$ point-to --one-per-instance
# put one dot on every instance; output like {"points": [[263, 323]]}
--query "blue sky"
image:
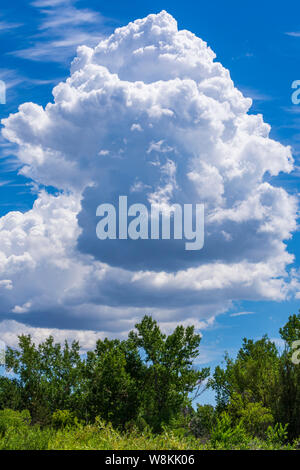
{"points": [[257, 42]]}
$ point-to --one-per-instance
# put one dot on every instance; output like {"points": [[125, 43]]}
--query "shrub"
{"points": [[10, 419], [277, 435], [256, 419], [225, 435], [26, 438], [63, 418], [203, 421]]}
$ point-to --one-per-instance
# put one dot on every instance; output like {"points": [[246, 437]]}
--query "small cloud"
{"points": [[291, 109], [136, 127], [22, 309], [159, 146], [6, 26], [5, 183], [103, 152], [294, 34], [255, 95], [226, 235], [240, 314], [6, 284], [138, 186]]}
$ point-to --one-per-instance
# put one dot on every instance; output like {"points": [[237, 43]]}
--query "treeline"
{"points": [[261, 384], [148, 381], [145, 380]]}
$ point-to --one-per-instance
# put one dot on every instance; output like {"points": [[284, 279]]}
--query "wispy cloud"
{"points": [[5, 182], [255, 94], [294, 109], [62, 28], [10, 77], [7, 26], [240, 314], [294, 34], [14, 82]]}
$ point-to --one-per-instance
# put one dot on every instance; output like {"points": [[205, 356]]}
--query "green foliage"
{"points": [[254, 416], [10, 394], [10, 419], [21, 435], [289, 380], [114, 373], [169, 375], [203, 421], [225, 435], [291, 330], [63, 418], [137, 394], [29, 438], [255, 373], [256, 419], [277, 435], [50, 376], [102, 436], [148, 377]]}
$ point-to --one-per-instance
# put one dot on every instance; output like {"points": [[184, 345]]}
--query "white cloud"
{"points": [[6, 26], [295, 34], [256, 94], [148, 113], [62, 28], [22, 309], [11, 329], [241, 314], [6, 284]]}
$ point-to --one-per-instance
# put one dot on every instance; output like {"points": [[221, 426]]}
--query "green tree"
{"points": [[10, 394], [169, 375], [113, 381], [203, 421], [255, 417], [148, 378], [291, 330], [49, 376], [289, 383], [253, 375]]}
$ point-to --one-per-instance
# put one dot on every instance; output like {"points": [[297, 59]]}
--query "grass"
{"points": [[104, 437]]}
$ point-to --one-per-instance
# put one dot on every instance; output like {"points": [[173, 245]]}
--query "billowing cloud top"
{"points": [[148, 113]]}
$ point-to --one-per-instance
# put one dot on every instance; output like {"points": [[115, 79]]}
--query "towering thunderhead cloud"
{"points": [[148, 114]]}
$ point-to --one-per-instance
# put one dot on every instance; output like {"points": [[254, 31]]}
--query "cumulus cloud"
{"points": [[11, 329], [147, 113]]}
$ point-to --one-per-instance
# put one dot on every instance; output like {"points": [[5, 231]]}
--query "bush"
{"points": [[26, 438], [203, 421], [277, 435], [225, 435], [256, 419], [10, 419], [63, 418]]}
